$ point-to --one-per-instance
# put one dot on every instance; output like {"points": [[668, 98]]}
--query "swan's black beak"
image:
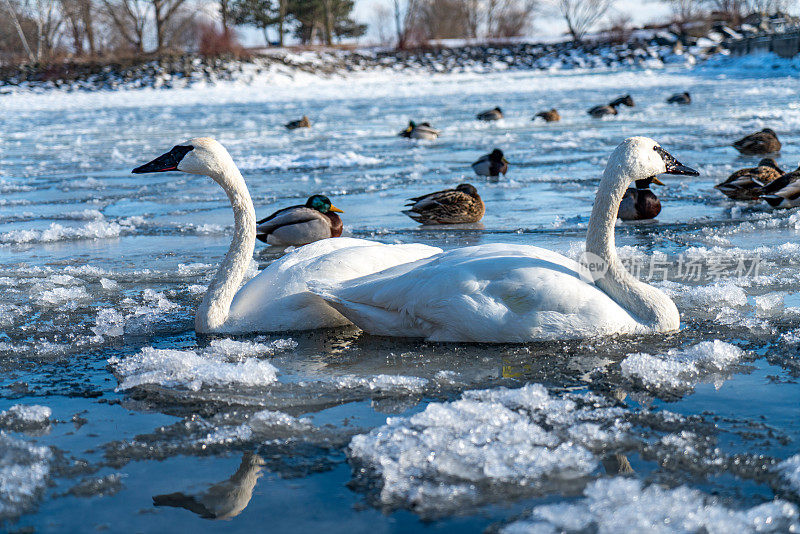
{"points": [[673, 165], [165, 162]]}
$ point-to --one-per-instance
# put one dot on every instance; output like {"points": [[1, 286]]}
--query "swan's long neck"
{"points": [[213, 312], [646, 303]]}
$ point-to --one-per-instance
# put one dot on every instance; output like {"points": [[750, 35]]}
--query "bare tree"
{"points": [[582, 15], [508, 18], [8, 44], [382, 22], [46, 16], [164, 16], [685, 10], [129, 18]]}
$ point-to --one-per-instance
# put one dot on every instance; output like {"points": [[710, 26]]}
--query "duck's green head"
{"points": [[322, 204]]}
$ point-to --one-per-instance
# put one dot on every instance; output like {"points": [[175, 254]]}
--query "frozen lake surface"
{"points": [[110, 404]]}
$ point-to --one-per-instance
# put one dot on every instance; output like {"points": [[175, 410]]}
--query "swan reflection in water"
{"points": [[223, 500]]}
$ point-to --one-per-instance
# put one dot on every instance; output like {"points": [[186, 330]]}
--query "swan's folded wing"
{"points": [[490, 293], [278, 298]]}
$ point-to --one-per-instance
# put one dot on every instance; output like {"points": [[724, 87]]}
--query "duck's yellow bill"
{"points": [[335, 209], [657, 181]]}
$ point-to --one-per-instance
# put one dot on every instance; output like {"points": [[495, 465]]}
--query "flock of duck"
{"points": [[318, 218], [495, 293]]}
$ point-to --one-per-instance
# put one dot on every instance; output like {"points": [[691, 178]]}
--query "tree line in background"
{"points": [[43, 29]]}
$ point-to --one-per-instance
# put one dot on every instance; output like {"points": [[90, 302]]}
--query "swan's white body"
{"points": [[277, 299], [510, 293]]}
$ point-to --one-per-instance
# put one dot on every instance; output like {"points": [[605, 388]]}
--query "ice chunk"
{"points": [[225, 362], [57, 232], [25, 417], [440, 458], [624, 505], [109, 322], [789, 470], [412, 384], [24, 469], [680, 368]]}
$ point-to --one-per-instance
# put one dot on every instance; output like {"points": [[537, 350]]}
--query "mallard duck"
{"points": [[639, 203], [422, 130], [301, 123], [299, 225], [783, 192], [602, 111], [490, 115], [680, 98], [493, 164], [451, 206], [746, 184], [763, 142], [626, 100], [549, 116]]}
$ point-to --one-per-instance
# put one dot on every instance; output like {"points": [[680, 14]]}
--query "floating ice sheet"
{"points": [[24, 469], [451, 453], [224, 362], [681, 368], [625, 505]]}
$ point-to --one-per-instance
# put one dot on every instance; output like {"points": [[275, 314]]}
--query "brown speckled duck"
{"points": [[492, 164], [301, 123], [451, 206], [300, 225], [490, 115], [763, 142], [680, 98], [783, 192], [549, 116], [746, 184], [640, 203]]}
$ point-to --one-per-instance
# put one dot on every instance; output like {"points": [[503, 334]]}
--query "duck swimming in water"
{"points": [[746, 184], [549, 116], [639, 203], [301, 123], [763, 142], [680, 98], [451, 206], [626, 100], [493, 164], [422, 130], [783, 192], [490, 115], [300, 225]]}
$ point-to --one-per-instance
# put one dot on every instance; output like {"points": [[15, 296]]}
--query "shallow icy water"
{"points": [[100, 272]]}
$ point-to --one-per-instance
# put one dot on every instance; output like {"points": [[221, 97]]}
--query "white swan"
{"points": [[277, 299], [514, 293]]}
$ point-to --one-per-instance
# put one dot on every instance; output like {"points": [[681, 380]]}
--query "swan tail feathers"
{"points": [[373, 319]]}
